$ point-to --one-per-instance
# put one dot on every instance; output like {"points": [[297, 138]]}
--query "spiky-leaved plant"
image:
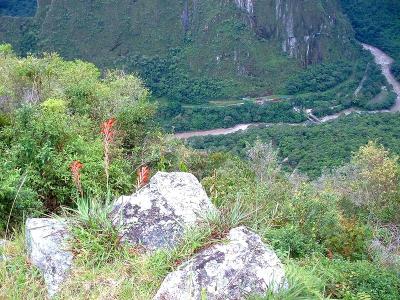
{"points": [[95, 240]]}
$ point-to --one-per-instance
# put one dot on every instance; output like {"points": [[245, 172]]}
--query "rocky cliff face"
{"points": [[247, 5], [219, 38], [300, 27], [305, 30]]}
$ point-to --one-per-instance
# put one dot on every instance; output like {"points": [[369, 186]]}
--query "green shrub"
{"points": [[291, 240], [351, 241], [17, 199], [302, 284], [57, 123], [346, 280], [4, 120], [46, 141], [135, 123]]}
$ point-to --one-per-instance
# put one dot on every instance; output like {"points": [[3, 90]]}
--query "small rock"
{"points": [[158, 214], [47, 250], [243, 266], [2, 246]]}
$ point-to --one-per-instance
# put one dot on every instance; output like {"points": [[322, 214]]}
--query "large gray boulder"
{"points": [[230, 271], [46, 241], [157, 215]]}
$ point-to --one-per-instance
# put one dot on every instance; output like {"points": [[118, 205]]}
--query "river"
{"points": [[385, 61], [217, 131], [381, 58]]}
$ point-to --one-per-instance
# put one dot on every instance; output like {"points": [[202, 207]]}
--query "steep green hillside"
{"points": [[190, 50], [18, 7], [377, 23]]}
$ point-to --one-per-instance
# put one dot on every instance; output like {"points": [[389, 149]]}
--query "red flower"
{"points": [[143, 176], [107, 129], [108, 132], [76, 166]]}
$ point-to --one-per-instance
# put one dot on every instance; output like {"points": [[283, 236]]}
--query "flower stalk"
{"points": [[76, 166], [108, 133], [143, 176]]}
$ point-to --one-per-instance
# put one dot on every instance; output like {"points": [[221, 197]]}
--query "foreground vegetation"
{"points": [[51, 116], [336, 236], [72, 140]]}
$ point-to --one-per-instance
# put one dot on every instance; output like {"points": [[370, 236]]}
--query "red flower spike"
{"points": [[107, 129], [143, 176], [76, 166], [108, 132]]}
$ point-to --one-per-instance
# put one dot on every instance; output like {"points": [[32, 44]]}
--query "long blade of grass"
{"points": [[13, 204]]}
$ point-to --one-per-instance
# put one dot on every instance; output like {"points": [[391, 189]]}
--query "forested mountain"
{"points": [[190, 50], [102, 198], [377, 23], [18, 8]]}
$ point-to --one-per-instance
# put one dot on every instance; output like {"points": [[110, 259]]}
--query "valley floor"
{"points": [[381, 58]]}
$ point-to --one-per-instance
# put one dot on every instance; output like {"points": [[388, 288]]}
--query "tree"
{"points": [[264, 160]]}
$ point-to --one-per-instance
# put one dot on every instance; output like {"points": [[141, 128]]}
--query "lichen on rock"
{"points": [[47, 250], [244, 266], [157, 215]]}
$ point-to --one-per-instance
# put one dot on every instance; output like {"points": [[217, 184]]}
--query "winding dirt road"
{"points": [[381, 58]]}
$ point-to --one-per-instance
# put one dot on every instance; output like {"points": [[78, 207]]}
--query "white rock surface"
{"points": [[46, 241], [246, 5], [158, 214], [244, 266], [2, 245]]}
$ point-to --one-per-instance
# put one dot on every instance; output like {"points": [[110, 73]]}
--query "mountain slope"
{"points": [[237, 44], [18, 7], [374, 24], [378, 25]]}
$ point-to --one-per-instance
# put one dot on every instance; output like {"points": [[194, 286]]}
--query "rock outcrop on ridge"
{"points": [[244, 266], [157, 215], [46, 241]]}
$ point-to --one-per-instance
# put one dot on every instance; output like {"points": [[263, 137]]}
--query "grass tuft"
{"points": [[18, 278], [95, 240]]}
